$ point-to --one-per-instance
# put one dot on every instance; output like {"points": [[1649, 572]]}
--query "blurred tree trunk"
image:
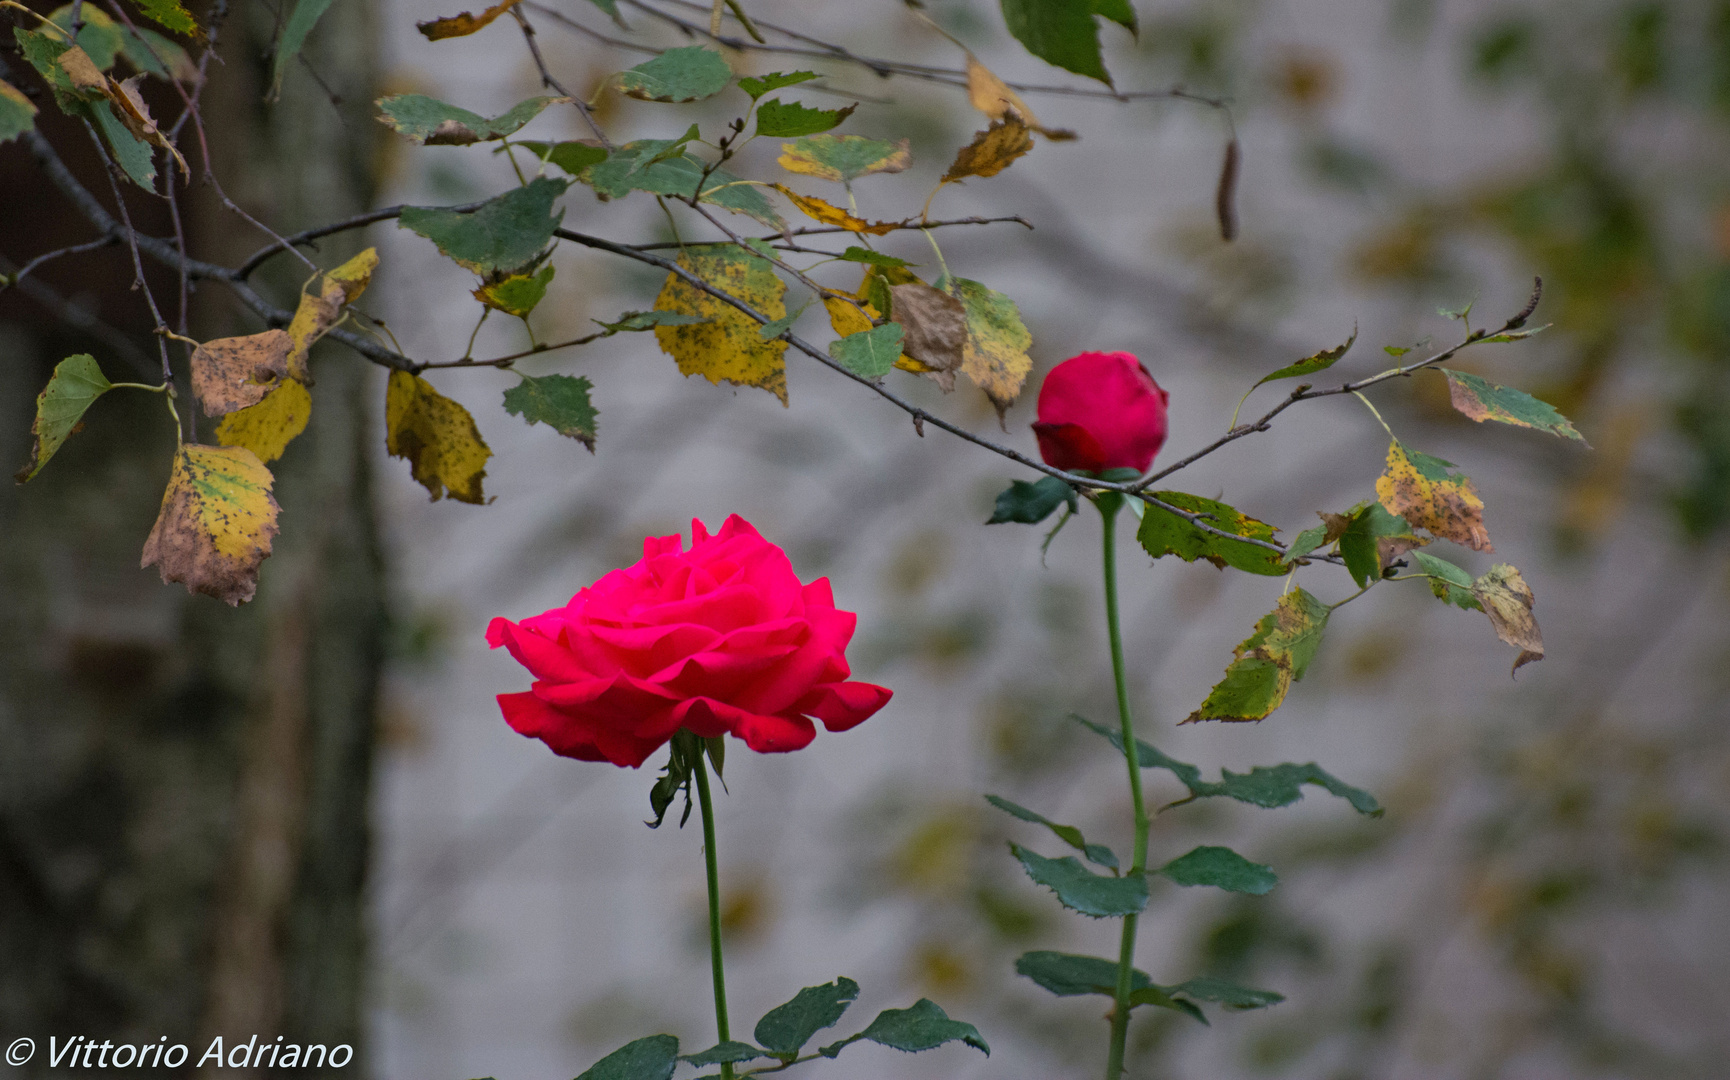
{"points": [[184, 786]]}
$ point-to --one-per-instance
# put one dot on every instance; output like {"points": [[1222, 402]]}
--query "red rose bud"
{"points": [[1100, 411], [720, 638]]}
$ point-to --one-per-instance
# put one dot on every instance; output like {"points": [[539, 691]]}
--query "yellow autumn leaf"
{"points": [[848, 319], [267, 428], [844, 158], [319, 310], [819, 210], [216, 523], [993, 97], [997, 342], [726, 345], [437, 436], [1420, 489], [991, 150], [465, 24]]}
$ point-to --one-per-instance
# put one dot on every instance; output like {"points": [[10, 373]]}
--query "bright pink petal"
{"points": [[842, 705], [529, 715], [775, 734]]}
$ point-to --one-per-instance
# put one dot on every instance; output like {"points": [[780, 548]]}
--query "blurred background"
{"points": [[307, 815]]}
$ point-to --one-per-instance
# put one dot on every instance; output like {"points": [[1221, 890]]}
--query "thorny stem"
{"points": [[1108, 507], [705, 805]]}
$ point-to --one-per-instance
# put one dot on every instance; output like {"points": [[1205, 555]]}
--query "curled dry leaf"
{"points": [[1508, 601], [237, 372], [1421, 489], [991, 150], [465, 24], [216, 523], [437, 436], [319, 311], [993, 97], [819, 210], [87, 79], [935, 326]]}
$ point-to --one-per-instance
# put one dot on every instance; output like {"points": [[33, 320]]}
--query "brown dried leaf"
{"points": [[991, 150], [935, 326], [216, 523], [465, 24], [236, 372], [1508, 601]]}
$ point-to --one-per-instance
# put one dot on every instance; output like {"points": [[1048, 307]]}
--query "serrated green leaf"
{"points": [[1448, 582], [1164, 533], [690, 73], [300, 23], [1309, 365], [559, 401], [169, 13], [872, 258], [1031, 503], [1060, 32], [870, 353], [653, 1058], [843, 158], [1118, 11], [431, 122], [1481, 400], [76, 383], [729, 1052], [786, 1028], [1098, 854], [504, 234], [1069, 975], [575, 158], [1306, 542], [136, 158], [632, 321], [789, 119], [757, 86], [924, 1026], [1267, 786], [632, 168], [1080, 889], [17, 112], [1222, 868], [1268, 661]]}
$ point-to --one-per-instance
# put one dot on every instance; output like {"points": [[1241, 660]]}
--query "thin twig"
{"points": [[50, 256], [553, 84]]}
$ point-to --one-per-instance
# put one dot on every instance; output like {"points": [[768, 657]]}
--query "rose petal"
{"points": [[545, 659], [1069, 446], [529, 715], [775, 734], [842, 705]]}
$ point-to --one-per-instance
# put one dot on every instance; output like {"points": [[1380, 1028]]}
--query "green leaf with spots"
{"points": [[503, 235], [1060, 32], [431, 122], [559, 401], [869, 353], [786, 1028], [1222, 868], [757, 86], [1165, 533], [1031, 503], [1309, 365], [171, 14], [1098, 854], [1268, 661], [1450, 583], [789, 119], [691, 73], [1484, 400], [76, 383], [1080, 889], [995, 356], [653, 1058]]}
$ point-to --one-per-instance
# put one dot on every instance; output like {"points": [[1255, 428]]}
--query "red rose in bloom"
{"points": [[1100, 411], [719, 638]]}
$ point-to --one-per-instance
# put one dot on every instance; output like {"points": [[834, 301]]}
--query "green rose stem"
{"points": [[706, 804], [1109, 503]]}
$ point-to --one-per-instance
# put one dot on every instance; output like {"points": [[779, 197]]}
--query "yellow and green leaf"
{"points": [[1268, 661], [516, 294], [819, 210], [1424, 491], [726, 345], [216, 523], [1481, 400], [438, 438], [319, 310], [997, 341], [1309, 365], [1165, 533], [17, 112], [844, 158]]}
